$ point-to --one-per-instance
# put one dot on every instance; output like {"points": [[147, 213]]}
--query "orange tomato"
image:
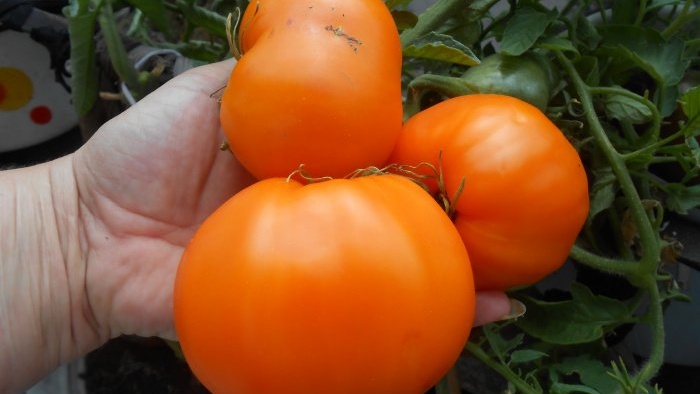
{"points": [[344, 286], [525, 197], [319, 84]]}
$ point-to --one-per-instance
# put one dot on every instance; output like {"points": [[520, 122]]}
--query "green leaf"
{"points": [[690, 103], [603, 191], [199, 16], [136, 26], [586, 32], [563, 388], [630, 46], [624, 11], [589, 69], [626, 109], [675, 293], [592, 372], [81, 31], [500, 345], [681, 198], [582, 319], [441, 47], [557, 44], [523, 30], [526, 356], [156, 12], [666, 98]]}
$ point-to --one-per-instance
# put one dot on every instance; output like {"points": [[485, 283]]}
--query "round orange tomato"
{"points": [[319, 84], [525, 195], [344, 286]]}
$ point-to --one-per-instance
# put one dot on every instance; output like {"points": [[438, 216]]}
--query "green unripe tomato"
{"points": [[528, 77]]}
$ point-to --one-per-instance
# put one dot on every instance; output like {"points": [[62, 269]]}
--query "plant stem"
{"points": [[654, 146], [686, 16], [644, 275], [613, 266], [431, 19], [649, 241], [447, 86], [656, 354], [512, 377], [602, 7], [641, 11]]}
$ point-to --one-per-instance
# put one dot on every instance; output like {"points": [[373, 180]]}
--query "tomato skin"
{"points": [[344, 286], [525, 197], [319, 84]]}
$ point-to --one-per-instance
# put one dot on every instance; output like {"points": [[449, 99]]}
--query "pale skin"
{"points": [[90, 242]]}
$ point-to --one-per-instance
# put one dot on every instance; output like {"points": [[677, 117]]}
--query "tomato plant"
{"points": [[319, 84], [344, 286], [525, 195]]}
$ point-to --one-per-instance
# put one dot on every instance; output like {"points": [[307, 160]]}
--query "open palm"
{"points": [[146, 180]]}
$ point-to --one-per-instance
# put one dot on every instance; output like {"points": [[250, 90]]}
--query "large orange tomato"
{"points": [[525, 195], [319, 84], [345, 286]]}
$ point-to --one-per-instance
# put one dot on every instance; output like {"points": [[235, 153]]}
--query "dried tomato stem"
{"points": [[232, 21]]}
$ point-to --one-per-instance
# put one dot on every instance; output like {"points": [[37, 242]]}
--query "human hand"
{"points": [[146, 180]]}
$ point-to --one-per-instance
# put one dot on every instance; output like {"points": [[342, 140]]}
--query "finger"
{"points": [[223, 67], [492, 306], [215, 74]]}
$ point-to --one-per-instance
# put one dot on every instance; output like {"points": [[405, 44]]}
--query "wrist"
{"points": [[45, 319]]}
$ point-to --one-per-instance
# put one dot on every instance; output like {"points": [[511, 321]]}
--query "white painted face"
{"points": [[33, 107]]}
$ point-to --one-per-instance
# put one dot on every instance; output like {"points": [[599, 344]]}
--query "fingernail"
{"points": [[517, 309]]}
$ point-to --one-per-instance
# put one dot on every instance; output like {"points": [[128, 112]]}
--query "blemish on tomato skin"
{"points": [[353, 42], [289, 22]]}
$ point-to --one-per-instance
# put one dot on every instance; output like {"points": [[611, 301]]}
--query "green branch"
{"points": [[447, 86], [612, 266], [648, 149], [644, 274], [648, 237], [680, 21], [656, 354]]}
